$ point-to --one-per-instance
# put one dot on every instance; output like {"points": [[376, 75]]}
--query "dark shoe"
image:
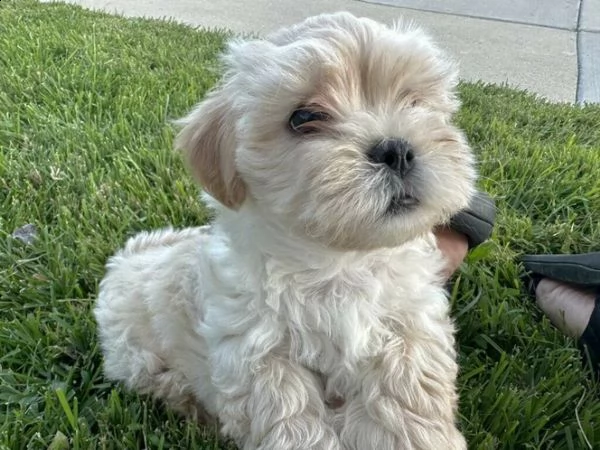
{"points": [[581, 270], [477, 221]]}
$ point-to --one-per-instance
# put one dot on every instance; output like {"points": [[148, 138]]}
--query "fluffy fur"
{"points": [[309, 315]]}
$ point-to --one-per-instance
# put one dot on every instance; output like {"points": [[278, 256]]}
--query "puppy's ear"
{"points": [[208, 143]]}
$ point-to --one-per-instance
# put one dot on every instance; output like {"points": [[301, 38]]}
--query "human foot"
{"points": [[568, 307]]}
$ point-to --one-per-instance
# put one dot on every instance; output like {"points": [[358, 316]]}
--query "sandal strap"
{"points": [[580, 269], [477, 221]]}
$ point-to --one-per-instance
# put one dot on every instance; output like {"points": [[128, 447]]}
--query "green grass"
{"points": [[85, 155]]}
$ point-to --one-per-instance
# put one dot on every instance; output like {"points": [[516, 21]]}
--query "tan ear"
{"points": [[208, 143]]}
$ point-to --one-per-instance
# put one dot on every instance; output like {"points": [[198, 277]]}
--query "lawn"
{"points": [[85, 155]]}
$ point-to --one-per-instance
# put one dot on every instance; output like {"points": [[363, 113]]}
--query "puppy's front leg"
{"points": [[270, 403], [406, 400]]}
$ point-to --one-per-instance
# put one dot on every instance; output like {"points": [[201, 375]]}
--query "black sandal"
{"points": [[581, 270], [477, 221]]}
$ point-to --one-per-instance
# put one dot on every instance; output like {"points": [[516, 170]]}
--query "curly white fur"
{"points": [[305, 316]]}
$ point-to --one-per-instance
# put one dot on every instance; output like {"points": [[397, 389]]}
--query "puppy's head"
{"points": [[339, 128]]}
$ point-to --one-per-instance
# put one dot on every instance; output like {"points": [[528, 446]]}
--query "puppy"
{"points": [[311, 313]]}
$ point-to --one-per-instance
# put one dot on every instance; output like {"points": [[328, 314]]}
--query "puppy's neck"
{"points": [[253, 235]]}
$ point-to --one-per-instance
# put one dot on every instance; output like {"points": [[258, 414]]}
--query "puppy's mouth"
{"points": [[400, 203]]}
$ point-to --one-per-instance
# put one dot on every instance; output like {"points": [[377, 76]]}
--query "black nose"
{"points": [[397, 154]]}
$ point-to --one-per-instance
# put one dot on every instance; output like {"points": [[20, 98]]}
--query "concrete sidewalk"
{"points": [[550, 47]]}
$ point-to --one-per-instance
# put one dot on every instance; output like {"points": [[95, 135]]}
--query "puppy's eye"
{"points": [[306, 121]]}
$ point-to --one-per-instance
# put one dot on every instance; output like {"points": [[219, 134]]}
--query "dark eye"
{"points": [[306, 121]]}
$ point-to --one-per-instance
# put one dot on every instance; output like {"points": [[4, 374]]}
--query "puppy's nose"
{"points": [[397, 154]]}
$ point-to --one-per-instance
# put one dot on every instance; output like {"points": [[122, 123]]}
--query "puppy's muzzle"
{"points": [[397, 154]]}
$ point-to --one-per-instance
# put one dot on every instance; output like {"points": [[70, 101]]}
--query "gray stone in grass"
{"points": [[26, 234]]}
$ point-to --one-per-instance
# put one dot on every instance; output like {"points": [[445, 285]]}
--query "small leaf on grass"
{"points": [[59, 442]]}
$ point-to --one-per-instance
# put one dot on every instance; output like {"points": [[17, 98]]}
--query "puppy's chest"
{"points": [[337, 322]]}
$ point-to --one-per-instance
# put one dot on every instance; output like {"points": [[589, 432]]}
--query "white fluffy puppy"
{"points": [[311, 314]]}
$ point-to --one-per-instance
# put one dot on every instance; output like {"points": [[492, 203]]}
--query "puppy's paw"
{"points": [[283, 437], [305, 433], [401, 429]]}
